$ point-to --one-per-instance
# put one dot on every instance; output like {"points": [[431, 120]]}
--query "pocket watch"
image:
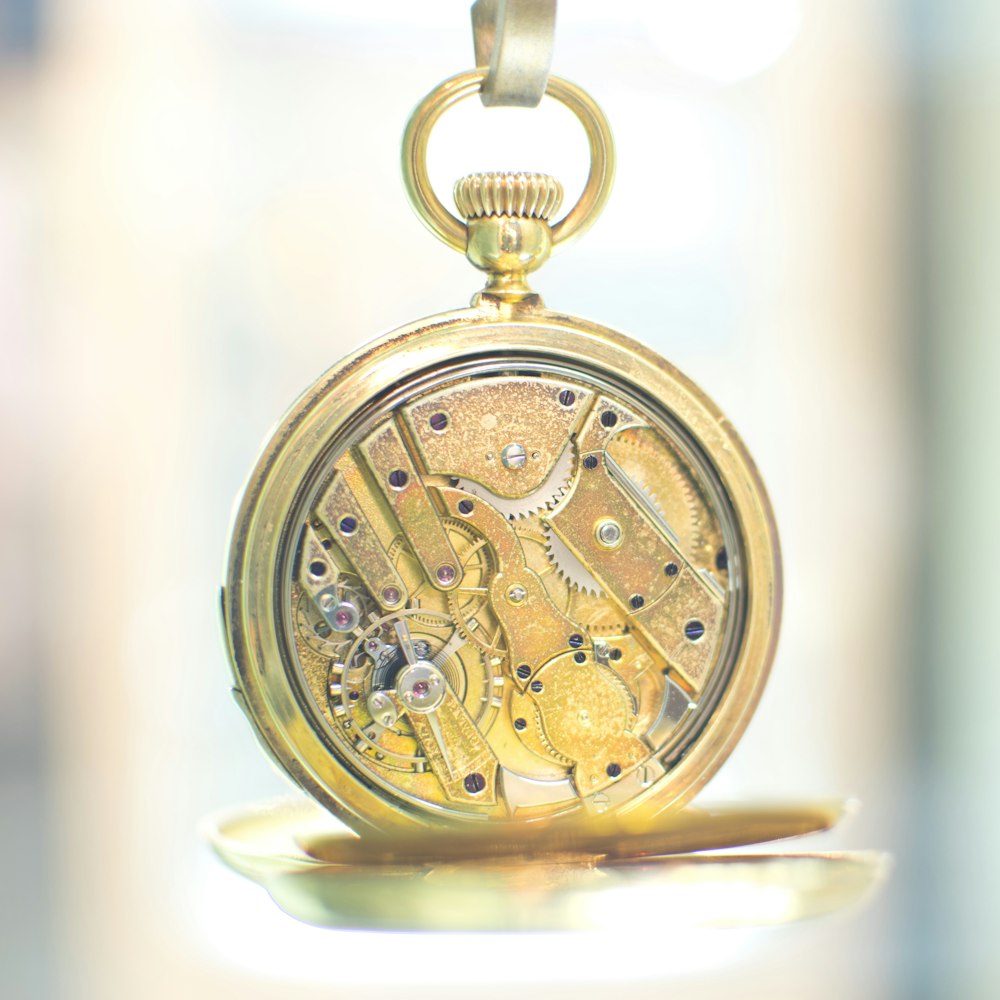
{"points": [[502, 565]]}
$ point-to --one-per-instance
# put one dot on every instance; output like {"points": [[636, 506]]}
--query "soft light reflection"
{"points": [[691, 170], [241, 925], [700, 904], [202, 210], [723, 40]]}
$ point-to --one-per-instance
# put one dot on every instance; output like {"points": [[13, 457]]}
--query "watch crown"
{"points": [[518, 195]]}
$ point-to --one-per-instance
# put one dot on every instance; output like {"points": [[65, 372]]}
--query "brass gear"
{"points": [[597, 614], [487, 637], [659, 470], [477, 564], [469, 603], [663, 474], [546, 497]]}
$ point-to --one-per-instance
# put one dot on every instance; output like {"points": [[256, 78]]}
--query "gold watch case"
{"points": [[501, 564]]}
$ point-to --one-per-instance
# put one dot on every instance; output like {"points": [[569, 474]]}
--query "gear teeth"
{"points": [[654, 502], [470, 635], [687, 530], [569, 567], [546, 497], [543, 738]]}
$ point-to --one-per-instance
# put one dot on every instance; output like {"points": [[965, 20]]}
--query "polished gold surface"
{"points": [[531, 196], [503, 565], [584, 879], [684, 831], [595, 657], [507, 224], [451, 230]]}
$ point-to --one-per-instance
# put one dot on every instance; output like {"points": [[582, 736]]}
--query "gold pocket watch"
{"points": [[502, 565]]}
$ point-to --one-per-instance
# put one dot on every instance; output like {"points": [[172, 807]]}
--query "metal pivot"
{"points": [[513, 41]]}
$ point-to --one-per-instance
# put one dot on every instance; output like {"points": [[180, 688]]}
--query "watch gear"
{"points": [[659, 471], [569, 567], [545, 497]]}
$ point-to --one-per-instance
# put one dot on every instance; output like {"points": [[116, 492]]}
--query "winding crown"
{"points": [[531, 196]]}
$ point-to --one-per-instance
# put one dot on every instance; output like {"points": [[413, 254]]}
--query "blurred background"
{"points": [[200, 210]]}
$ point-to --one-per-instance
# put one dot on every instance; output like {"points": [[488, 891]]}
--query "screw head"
{"points": [[514, 456], [636, 601], [694, 630], [575, 641], [614, 770], [590, 462], [567, 397], [474, 783], [523, 671], [439, 421], [609, 533]]}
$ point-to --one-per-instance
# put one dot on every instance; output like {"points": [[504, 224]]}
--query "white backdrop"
{"points": [[205, 211]]}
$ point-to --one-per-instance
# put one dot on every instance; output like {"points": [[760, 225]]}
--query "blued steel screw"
{"points": [[474, 783], [694, 630]]}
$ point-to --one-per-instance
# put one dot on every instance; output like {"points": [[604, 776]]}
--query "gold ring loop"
{"points": [[452, 230]]}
